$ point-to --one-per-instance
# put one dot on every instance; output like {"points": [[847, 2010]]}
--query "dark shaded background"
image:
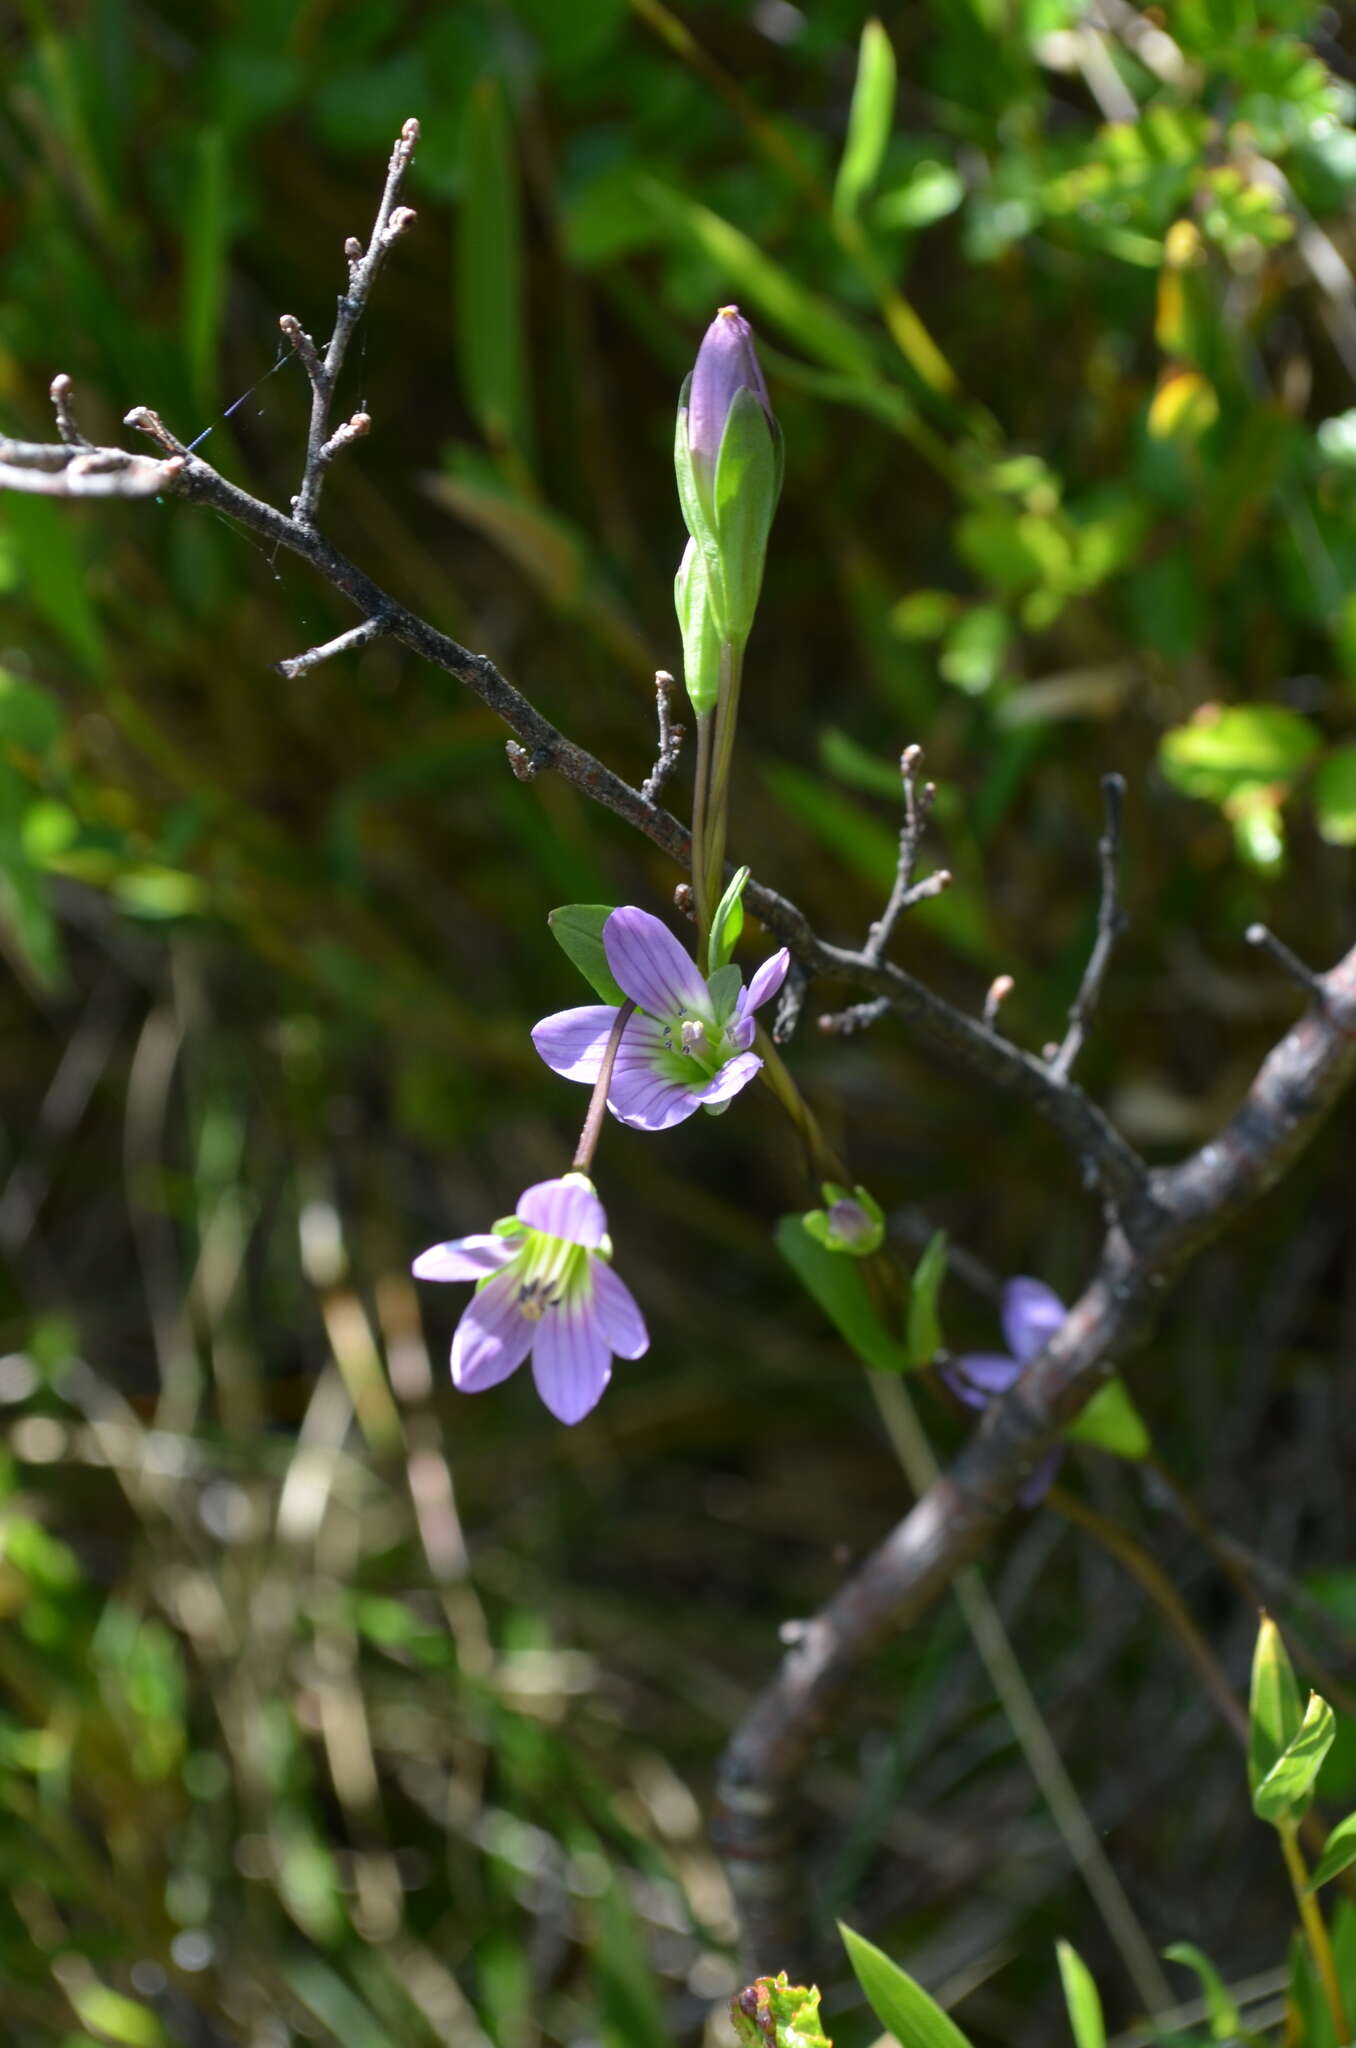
{"points": [[290, 1746]]}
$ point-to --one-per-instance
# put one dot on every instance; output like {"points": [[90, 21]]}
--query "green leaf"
{"points": [[771, 2010], [205, 262], [776, 293], [1274, 1710], [1335, 796], [1080, 1996], [1112, 1422], [924, 1339], [870, 119], [115, 2018], [488, 312], [901, 2006], [577, 929], [1225, 750], [630, 2004], [700, 628], [1288, 1787], [1225, 2021], [747, 485], [727, 923], [839, 1287], [1339, 1852]]}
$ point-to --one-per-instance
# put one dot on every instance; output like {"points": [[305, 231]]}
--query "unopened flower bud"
{"points": [[727, 364], [852, 1221], [728, 460]]}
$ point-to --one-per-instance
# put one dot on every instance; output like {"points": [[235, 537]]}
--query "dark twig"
{"points": [[1294, 1090], [1110, 924], [343, 643], [363, 265], [670, 739], [60, 391], [918, 801], [859, 1017], [1261, 935]]}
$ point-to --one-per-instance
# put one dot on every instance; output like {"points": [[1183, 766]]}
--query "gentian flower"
{"points": [[1031, 1314], [686, 1047], [544, 1285]]}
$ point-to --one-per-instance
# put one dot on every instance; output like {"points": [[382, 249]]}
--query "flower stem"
{"points": [[824, 1161], [1315, 1932], [718, 794], [705, 906], [597, 1109]]}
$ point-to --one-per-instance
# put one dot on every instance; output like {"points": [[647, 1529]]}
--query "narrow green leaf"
{"points": [[837, 1284], [924, 1339], [577, 929], [869, 121], [115, 2018], [901, 2006], [1339, 1852], [727, 923], [1225, 2021], [205, 262], [489, 264], [1080, 1996], [630, 2003], [747, 483], [1274, 1710], [776, 294], [1286, 1790], [1112, 1422]]}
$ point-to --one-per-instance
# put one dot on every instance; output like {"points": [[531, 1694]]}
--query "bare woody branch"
{"points": [[671, 738], [918, 801], [1294, 1090], [323, 371], [1110, 925]]}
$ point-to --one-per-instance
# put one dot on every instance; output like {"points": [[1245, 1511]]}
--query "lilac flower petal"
{"points": [[1039, 1479], [572, 1042], [617, 1313], [1032, 1312], [571, 1359], [651, 966], [649, 1101], [977, 1376], [726, 363], [739, 1035], [493, 1337], [768, 979], [733, 1076], [562, 1208], [465, 1258]]}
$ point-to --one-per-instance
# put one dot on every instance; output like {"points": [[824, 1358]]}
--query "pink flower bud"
{"points": [[726, 365]]}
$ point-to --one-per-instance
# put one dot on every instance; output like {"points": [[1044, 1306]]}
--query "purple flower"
{"points": [[544, 1285], [727, 363], [1031, 1314], [687, 1046]]}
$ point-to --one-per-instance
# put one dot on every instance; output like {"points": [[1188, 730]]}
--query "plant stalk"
{"points": [[1315, 1931]]}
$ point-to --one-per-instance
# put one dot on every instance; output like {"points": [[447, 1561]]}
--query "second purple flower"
{"points": [[687, 1046]]}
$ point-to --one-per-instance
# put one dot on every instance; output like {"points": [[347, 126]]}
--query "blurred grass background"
{"points": [[333, 1707]]}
